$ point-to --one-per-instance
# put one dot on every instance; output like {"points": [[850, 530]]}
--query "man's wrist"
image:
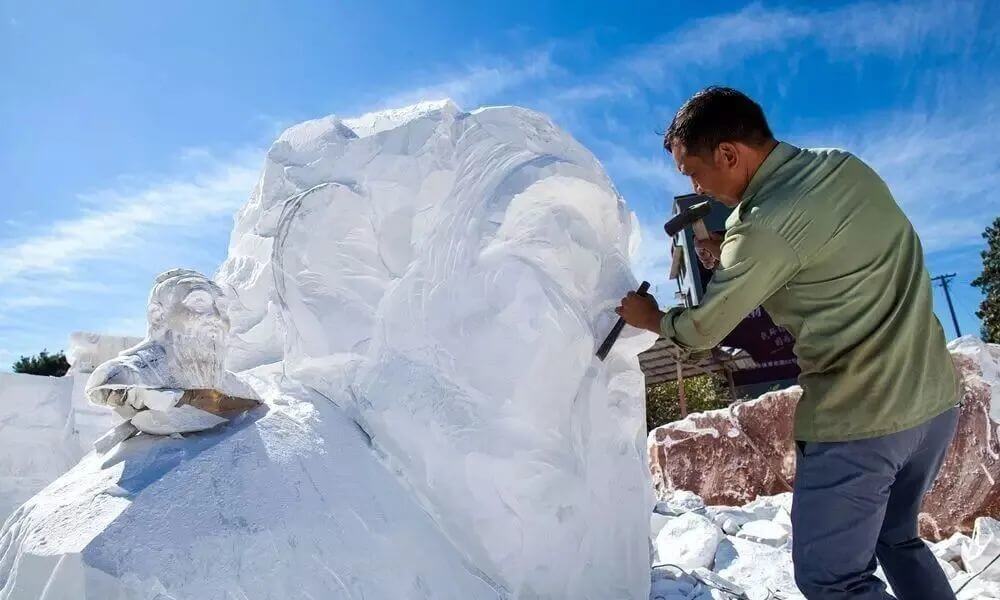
{"points": [[654, 325]]}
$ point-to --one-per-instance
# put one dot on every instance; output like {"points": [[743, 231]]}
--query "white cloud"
{"points": [[845, 33], [651, 168], [588, 92], [92, 271], [117, 220], [710, 41], [474, 84], [23, 301], [895, 27]]}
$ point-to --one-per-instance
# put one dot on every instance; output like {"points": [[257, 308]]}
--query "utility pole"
{"points": [[945, 280]]}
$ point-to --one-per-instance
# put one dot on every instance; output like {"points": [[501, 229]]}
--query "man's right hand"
{"points": [[708, 251]]}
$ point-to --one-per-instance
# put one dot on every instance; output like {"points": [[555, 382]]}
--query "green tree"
{"points": [[702, 392], [989, 282], [43, 364]]}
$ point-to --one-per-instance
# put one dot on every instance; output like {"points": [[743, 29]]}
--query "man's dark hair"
{"points": [[715, 115]]}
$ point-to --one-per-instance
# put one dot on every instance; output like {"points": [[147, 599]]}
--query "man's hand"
{"points": [[709, 250], [641, 311]]}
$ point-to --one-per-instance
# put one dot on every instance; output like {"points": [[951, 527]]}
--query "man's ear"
{"points": [[727, 155]]}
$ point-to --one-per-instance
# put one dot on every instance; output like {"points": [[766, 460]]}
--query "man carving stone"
{"points": [[174, 380], [817, 239]]}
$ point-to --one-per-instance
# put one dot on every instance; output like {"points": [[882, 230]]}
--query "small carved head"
{"points": [[182, 295]]}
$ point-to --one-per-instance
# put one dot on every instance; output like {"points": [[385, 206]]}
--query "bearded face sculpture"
{"points": [[177, 371]]}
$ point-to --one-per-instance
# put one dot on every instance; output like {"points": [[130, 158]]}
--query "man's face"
{"points": [[717, 174]]}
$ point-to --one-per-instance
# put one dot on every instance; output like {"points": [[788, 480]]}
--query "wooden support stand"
{"points": [[680, 390]]}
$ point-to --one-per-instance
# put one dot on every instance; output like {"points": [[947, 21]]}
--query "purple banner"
{"points": [[770, 347]]}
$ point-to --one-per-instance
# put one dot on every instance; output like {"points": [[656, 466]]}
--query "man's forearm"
{"points": [[754, 263], [684, 328]]}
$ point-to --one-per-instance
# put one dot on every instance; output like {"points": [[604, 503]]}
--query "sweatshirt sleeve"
{"points": [[755, 263]]}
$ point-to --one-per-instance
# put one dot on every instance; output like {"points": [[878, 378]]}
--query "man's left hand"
{"points": [[641, 311]]}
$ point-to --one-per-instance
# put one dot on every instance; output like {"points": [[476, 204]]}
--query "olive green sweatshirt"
{"points": [[818, 240]]}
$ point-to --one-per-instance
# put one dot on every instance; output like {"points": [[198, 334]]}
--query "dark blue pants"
{"points": [[858, 500]]}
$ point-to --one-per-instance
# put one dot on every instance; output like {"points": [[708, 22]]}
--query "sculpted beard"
{"points": [[197, 350]]}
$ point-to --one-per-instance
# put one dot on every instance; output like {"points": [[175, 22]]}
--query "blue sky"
{"points": [[131, 132]]}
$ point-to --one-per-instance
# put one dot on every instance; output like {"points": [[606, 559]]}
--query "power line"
{"points": [[945, 280]]}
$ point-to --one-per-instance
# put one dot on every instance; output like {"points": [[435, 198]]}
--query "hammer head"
{"points": [[687, 216]]}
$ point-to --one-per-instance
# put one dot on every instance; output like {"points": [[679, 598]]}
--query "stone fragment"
{"points": [[980, 551], [688, 541], [715, 582], [678, 502], [768, 533], [730, 519], [117, 434], [769, 507], [758, 568], [951, 548]]}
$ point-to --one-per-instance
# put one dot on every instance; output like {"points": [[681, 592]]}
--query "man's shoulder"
{"points": [[788, 200], [811, 173], [831, 166], [812, 166]]}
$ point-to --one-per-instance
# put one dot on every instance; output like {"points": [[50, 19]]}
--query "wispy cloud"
{"points": [[23, 301], [92, 271], [473, 84], [710, 41], [652, 168], [118, 220], [896, 28], [846, 33]]}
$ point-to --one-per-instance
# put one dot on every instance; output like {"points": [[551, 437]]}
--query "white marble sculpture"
{"points": [[174, 380], [418, 295]]}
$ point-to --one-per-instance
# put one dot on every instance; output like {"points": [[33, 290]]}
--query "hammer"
{"points": [[692, 216]]}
